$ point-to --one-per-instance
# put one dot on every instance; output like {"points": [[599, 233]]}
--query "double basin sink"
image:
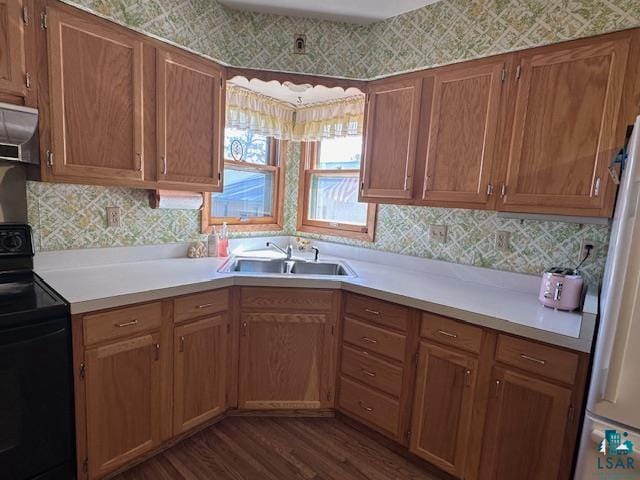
{"points": [[286, 267]]}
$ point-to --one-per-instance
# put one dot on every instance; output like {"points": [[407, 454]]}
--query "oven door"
{"points": [[36, 406]]}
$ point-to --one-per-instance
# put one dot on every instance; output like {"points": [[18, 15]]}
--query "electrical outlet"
{"points": [[113, 217], [503, 241], [583, 250], [438, 233]]}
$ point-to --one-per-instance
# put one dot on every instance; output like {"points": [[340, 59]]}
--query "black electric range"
{"points": [[36, 392]]}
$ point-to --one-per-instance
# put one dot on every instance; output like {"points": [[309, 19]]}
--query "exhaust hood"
{"points": [[18, 137]]}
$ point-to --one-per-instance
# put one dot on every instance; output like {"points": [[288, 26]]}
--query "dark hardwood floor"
{"points": [[276, 448]]}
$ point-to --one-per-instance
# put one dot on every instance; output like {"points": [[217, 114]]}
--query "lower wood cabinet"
{"points": [[525, 428], [444, 399], [286, 360], [124, 413], [199, 369]]}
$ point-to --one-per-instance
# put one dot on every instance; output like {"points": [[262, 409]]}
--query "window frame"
{"points": [[308, 162], [275, 164]]}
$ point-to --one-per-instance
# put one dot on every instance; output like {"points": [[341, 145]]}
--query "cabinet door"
{"points": [[524, 429], [462, 134], [286, 361], [123, 401], [391, 132], [199, 372], [563, 136], [95, 78], [12, 58], [440, 425], [190, 122]]}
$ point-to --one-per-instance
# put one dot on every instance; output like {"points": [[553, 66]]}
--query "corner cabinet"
{"points": [[287, 348], [392, 115], [190, 115], [567, 104], [96, 99], [12, 48]]}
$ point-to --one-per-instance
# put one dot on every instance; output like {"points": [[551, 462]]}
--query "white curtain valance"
{"points": [[270, 117], [339, 118]]}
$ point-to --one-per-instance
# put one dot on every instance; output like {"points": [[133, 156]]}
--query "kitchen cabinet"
{"points": [[287, 348], [96, 99], [190, 102], [533, 131], [525, 427], [460, 136], [392, 115], [441, 423], [13, 73], [566, 120], [124, 411], [200, 363]]}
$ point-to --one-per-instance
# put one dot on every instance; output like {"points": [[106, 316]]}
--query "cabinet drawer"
{"points": [[533, 357], [121, 323], [384, 313], [369, 405], [287, 298], [373, 338], [451, 332], [372, 370], [200, 304]]}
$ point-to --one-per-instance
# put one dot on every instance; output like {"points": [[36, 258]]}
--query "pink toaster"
{"points": [[561, 288]]}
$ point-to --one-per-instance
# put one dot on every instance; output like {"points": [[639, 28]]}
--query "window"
{"points": [[251, 198], [328, 198]]}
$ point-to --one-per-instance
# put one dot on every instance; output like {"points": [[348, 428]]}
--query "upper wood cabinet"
{"points": [[461, 134], [533, 131], [200, 368], [12, 52], [392, 116], [96, 95], [190, 106], [525, 428], [441, 423], [566, 119], [124, 411]]}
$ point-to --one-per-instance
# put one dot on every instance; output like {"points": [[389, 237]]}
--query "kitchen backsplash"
{"points": [[73, 216], [443, 32]]}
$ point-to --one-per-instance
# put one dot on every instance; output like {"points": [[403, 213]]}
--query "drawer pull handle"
{"points": [[372, 312], [448, 334], [368, 373], [369, 340], [533, 359], [364, 407], [127, 324], [205, 305]]}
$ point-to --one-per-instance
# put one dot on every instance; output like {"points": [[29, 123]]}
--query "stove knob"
{"points": [[12, 242]]}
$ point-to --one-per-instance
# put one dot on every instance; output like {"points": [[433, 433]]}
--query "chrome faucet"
{"points": [[288, 252], [316, 250]]}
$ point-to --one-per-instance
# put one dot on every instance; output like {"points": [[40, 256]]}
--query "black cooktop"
{"points": [[24, 296]]}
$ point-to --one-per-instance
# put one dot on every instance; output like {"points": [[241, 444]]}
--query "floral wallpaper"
{"points": [[67, 216], [443, 32], [73, 216]]}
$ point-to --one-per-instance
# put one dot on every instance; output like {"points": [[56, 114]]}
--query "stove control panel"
{"points": [[15, 240]]}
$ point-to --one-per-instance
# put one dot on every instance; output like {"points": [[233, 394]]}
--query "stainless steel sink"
{"points": [[286, 267]]}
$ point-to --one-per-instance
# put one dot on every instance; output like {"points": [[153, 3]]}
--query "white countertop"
{"points": [[499, 300]]}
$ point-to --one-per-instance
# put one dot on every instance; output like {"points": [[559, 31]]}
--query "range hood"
{"points": [[18, 137]]}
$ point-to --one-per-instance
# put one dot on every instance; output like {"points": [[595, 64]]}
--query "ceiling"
{"points": [[353, 11], [295, 95]]}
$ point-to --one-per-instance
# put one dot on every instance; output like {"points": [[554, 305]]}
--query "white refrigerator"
{"points": [[610, 443]]}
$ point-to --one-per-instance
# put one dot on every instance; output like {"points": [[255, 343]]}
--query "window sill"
{"points": [[247, 227], [362, 236]]}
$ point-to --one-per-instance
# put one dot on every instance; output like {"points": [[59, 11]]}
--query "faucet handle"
{"points": [[317, 252]]}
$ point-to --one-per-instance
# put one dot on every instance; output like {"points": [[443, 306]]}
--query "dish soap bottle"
{"points": [[212, 243], [223, 241]]}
